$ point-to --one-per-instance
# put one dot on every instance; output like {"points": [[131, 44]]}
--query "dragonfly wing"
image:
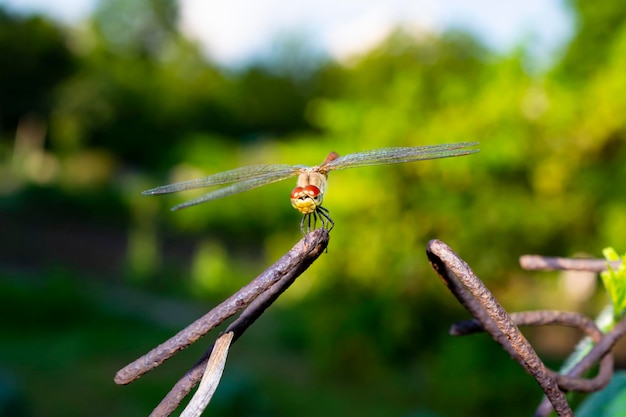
{"points": [[236, 188], [385, 156], [251, 172]]}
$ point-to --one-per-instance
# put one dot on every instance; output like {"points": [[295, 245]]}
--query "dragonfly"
{"points": [[312, 182]]}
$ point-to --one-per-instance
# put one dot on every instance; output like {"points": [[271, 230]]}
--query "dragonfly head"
{"points": [[306, 199]]}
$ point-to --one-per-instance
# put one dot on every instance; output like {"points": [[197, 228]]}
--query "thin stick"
{"points": [[297, 259], [182, 388], [601, 350], [550, 263]]}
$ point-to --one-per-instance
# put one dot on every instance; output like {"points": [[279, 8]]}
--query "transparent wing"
{"points": [[398, 155], [270, 173], [234, 189]]}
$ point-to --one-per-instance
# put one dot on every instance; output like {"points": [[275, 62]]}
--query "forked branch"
{"points": [[492, 318], [255, 297], [473, 294]]}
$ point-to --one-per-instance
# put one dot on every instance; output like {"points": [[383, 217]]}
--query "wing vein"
{"points": [[398, 155], [231, 189], [252, 172]]}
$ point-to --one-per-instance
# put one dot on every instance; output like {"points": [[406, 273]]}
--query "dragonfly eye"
{"points": [[311, 191], [303, 192], [297, 192]]}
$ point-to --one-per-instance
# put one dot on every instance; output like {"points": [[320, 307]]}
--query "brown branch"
{"points": [[548, 263], [182, 388], [602, 350], [489, 315], [451, 268], [296, 261]]}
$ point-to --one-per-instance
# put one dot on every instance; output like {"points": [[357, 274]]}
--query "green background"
{"points": [[93, 274]]}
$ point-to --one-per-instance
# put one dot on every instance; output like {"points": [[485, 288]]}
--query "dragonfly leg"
{"points": [[309, 220], [307, 223], [325, 219], [302, 222]]}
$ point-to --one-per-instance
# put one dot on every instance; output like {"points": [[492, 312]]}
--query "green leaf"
{"points": [[610, 254], [610, 402], [615, 282]]}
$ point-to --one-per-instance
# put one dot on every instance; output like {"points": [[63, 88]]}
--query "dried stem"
{"points": [[259, 294], [178, 392], [254, 297], [452, 269], [211, 378], [601, 351], [548, 263], [295, 261]]}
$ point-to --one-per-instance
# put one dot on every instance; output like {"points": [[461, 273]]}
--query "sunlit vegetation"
{"points": [[92, 115]]}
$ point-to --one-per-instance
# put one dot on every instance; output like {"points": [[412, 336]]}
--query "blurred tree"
{"points": [[34, 58], [145, 93], [596, 27], [265, 103], [139, 28]]}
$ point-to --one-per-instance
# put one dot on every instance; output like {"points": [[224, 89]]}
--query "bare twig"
{"points": [[548, 263], [171, 401], [255, 298], [452, 268], [535, 318], [259, 294], [602, 350], [296, 261], [211, 378]]}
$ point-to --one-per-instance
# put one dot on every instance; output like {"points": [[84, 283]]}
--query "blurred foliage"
{"points": [[93, 114], [32, 63], [614, 281]]}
